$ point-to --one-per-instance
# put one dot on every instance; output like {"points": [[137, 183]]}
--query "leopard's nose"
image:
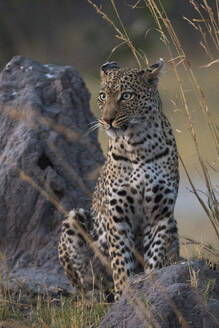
{"points": [[109, 114], [108, 120]]}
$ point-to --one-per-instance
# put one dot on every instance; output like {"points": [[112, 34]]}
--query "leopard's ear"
{"points": [[109, 66], [153, 72]]}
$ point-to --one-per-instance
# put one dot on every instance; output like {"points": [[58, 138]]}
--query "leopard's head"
{"points": [[127, 96]]}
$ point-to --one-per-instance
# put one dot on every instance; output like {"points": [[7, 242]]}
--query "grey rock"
{"points": [[180, 295], [45, 160]]}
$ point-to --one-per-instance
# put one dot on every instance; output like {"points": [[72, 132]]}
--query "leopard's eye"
{"points": [[102, 96], [126, 96]]}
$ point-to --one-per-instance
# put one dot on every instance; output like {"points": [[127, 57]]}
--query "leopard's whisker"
{"points": [[121, 121], [92, 128], [101, 122], [122, 117], [93, 123]]}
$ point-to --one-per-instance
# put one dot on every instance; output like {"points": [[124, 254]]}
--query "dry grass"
{"points": [[177, 58], [48, 312], [185, 76], [181, 65], [23, 308]]}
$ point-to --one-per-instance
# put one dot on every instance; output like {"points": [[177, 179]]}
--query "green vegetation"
{"points": [[48, 312]]}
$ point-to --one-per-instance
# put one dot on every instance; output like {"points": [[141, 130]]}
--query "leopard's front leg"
{"points": [[161, 244], [81, 264], [121, 246]]}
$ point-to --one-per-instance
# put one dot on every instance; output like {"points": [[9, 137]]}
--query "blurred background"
{"points": [[71, 32]]}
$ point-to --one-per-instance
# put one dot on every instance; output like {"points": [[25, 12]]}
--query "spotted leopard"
{"points": [[131, 221]]}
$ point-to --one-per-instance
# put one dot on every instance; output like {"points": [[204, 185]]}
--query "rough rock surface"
{"points": [[182, 295], [45, 161]]}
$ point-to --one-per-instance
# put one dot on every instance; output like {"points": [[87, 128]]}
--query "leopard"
{"points": [[131, 222]]}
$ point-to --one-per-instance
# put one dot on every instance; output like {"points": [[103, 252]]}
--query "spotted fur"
{"points": [[132, 220]]}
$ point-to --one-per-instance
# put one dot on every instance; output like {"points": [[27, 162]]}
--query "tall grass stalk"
{"points": [[177, 56], [172, 43]]}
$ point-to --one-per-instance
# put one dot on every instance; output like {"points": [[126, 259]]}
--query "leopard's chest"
{"points": [[133, 174], [141, 183], [131, 183]]}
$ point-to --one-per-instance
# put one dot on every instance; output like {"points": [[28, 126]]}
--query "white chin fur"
{"points": [[111, 133]]}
